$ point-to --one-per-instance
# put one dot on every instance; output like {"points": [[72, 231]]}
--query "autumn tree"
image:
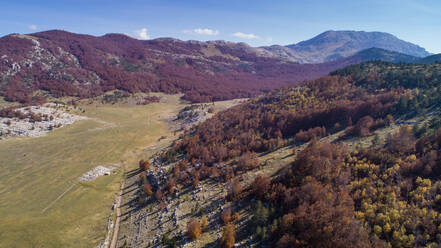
{"points": [[144, 165], [260, 186], [235, 190], [143, 177], [362, 128], [247, 161], [147, 189], [228, 236], [159, 195], [226, 215], [196, 177], [194, 229], [204, 222], [170, 186], [176, 171]]}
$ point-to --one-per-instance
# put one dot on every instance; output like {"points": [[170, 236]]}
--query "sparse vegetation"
{"points": [[194, 229]]}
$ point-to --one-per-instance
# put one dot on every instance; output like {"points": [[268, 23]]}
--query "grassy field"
{"points": [[34, 172]]}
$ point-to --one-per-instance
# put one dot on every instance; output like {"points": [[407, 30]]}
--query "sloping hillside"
{"points": [[373, 54], [374, 185], [66, 64], [431, 59], [63, 63]]}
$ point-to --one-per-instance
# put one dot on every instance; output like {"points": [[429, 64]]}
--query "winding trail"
{"points": [[118, 218]]}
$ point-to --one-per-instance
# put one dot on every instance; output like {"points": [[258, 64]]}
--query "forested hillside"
{"points": [[68, 64], [58, 63], [332, 195], [331, 103]]}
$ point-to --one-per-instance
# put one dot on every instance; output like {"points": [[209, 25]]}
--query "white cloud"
{"points": [[33, 27], [202, 31], [246, 36], [142, 34]]}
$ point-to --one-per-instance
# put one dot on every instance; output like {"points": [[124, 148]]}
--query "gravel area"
{"points": [[52, 119], [96, 172]]}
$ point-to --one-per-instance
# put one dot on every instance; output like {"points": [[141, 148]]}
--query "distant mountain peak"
{"points": [[332, 44]]}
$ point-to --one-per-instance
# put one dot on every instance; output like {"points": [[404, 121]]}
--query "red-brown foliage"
{"points": [[159, 195], [226, 215], [228, 236], [194, 229], [235, 190], [196, 179], [267, 122], [247, 161], [147, 189], [403, 141], [144, 165], [305, 136], [131, 65], [170, 186], [318, 209], [261, 186]]}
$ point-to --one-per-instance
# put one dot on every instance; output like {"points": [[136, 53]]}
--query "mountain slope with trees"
{"points": [[60, 63], [64, 63], [384, 194]]}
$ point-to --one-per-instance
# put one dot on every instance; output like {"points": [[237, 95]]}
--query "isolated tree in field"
{"points": [[143, 177], [194, 229], [148, 189], [228, 237], [226, 215], [141, 164], [195, 182], [235, 190], [170, 186], [204, 222], [144, 165], [196, 179], [159, 195]]}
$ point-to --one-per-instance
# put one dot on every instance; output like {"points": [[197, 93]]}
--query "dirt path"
{"points": [[58, 198], [118, 218]]}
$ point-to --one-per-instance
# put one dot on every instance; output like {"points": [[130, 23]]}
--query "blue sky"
{"points": [[257, 22]]}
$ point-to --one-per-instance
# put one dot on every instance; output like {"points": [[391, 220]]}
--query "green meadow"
{"points": [[42, 203]]}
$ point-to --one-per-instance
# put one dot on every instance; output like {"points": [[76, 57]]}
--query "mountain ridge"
{"points": [[68, 64], [332, 45]]}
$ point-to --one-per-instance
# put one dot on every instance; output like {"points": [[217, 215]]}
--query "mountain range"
{"points": [[67, 64]]}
